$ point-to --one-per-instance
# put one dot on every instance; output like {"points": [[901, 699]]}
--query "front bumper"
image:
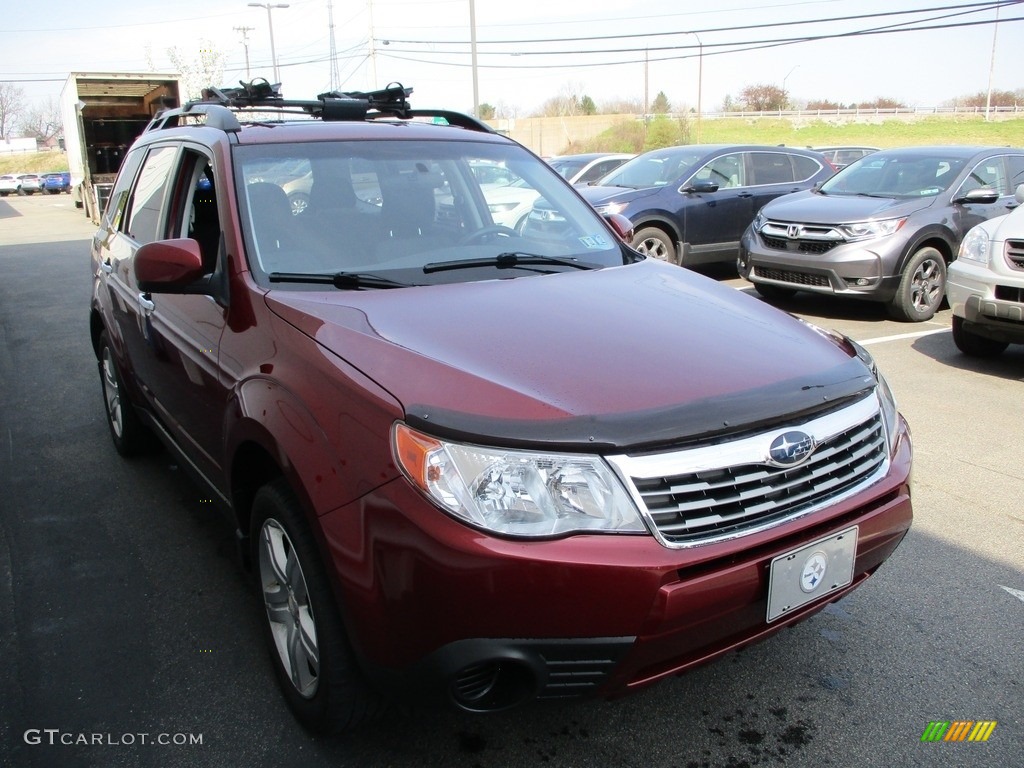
{"points": [[436, 609], [863, 269], [990, 302]]}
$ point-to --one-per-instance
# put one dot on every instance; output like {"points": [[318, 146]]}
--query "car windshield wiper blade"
{"points": [[508, 260], [348, 281]]}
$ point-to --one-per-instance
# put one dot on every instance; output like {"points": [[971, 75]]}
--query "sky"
{"points": [[426, 45]]}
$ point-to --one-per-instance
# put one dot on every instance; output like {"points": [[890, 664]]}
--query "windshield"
{"points": [[391, 208], [654, 169], [896, 175]]}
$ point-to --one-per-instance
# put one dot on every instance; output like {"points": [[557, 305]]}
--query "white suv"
{"points": [[985, 285]]}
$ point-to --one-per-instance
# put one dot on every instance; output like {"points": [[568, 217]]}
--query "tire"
{"points": [[652, 242], [922, 287], [774, 292], [974, 345], [131, 437], [313, 662]]}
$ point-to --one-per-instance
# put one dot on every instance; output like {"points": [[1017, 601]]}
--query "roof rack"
{"points": [[220, 106]]}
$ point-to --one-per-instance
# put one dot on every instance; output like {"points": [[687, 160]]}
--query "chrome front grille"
{"points": [[721, 491]]}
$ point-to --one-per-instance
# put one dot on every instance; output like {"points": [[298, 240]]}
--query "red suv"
{"points": [[462, 463]]}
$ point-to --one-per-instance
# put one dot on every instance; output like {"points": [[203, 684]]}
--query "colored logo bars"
{"points": [[959, 730]]}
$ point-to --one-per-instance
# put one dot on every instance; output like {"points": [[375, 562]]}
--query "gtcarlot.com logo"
{"points": [[57, 737], [958, 730]]}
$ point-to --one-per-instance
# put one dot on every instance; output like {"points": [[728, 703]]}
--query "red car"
{"points": [[467, 465]]}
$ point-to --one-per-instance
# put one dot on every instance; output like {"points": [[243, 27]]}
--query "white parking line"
{"points": [[898, 337]]}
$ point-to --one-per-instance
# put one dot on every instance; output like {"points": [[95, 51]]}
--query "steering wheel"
{"points": [[490, 229]]}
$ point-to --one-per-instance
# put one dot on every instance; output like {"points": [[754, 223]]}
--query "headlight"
{"points": [[886, 399], [516, 493], [758, 222], [865, 230], [611, 208], [975, 247]]}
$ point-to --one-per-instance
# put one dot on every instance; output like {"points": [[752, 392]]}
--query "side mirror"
{"points": [[1019, 194], [984, 195], [701, 187], [623, 227], [169, 266]]}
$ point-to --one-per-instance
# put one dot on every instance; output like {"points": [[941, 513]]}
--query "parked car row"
{"points": [[30, 183], [885, 227]]}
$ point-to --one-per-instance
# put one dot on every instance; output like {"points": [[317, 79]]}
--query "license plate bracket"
{"points": [[811, 572]]}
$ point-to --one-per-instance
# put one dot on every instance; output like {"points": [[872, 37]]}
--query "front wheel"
{"points": [[652, 242], [314, 664], [973, 345], [922, 287], [129, 434]]}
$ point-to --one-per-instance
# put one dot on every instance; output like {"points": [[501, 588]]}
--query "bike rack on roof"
{"points": [[221, 106]]}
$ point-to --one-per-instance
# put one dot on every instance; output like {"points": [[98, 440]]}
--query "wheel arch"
{"points": [[938, 239]]}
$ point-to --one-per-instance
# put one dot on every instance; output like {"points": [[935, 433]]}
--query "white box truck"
{"points": [[103, 113]]}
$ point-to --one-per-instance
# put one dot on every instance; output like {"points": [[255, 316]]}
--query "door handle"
{"points": [[745, 194], [146, 303]]}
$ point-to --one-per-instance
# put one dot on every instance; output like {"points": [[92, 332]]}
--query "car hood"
{"points": [[813, 208], [623, 357]]}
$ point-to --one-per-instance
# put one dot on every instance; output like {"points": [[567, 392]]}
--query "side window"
{"points": [[805, 167], [1015, 171], [771, 168], [147, 200], [194, 207], [725, 171], [988, 173], [119, 196]]}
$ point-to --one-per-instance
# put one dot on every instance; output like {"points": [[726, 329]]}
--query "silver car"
{"points": [[986, 286], [884, 228]]}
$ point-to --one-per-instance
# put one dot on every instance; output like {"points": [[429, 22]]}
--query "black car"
{"points": [[690, 204]]}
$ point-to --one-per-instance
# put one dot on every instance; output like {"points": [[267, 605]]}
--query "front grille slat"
{"points": [[1015, 254], [706, 504]]}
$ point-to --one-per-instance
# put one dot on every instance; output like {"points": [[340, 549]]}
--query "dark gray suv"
{"points": [[884, 228]]}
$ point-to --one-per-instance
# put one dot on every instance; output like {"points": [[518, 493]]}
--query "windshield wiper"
{"points": [[347, 281], [508, 260]]}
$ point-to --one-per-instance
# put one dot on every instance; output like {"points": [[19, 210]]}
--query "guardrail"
{"points": [[857, 112]]}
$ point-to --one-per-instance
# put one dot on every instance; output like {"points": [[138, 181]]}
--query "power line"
{"points": [[979, 6], [751, 46]]}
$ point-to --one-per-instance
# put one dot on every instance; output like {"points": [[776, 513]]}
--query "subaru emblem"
{"points": [[791, 448]]}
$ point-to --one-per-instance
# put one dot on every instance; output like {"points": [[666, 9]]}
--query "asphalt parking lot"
{"points": [[126, 619]]}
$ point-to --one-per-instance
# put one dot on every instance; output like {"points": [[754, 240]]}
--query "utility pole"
{"points": [[335, 75], [472, 39], [245, 44]]}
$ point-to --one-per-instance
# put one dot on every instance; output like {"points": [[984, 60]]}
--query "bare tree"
{"points": [[43, 121], [12, 105], [205, 70], [880, 103], [764, 97]]}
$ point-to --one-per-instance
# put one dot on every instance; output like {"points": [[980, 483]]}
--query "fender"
{"points": [[931, 232], [327, 467]]}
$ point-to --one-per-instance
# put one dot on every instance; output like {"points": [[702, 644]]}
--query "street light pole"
{"points": [[700, 79], [270, 24]]}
